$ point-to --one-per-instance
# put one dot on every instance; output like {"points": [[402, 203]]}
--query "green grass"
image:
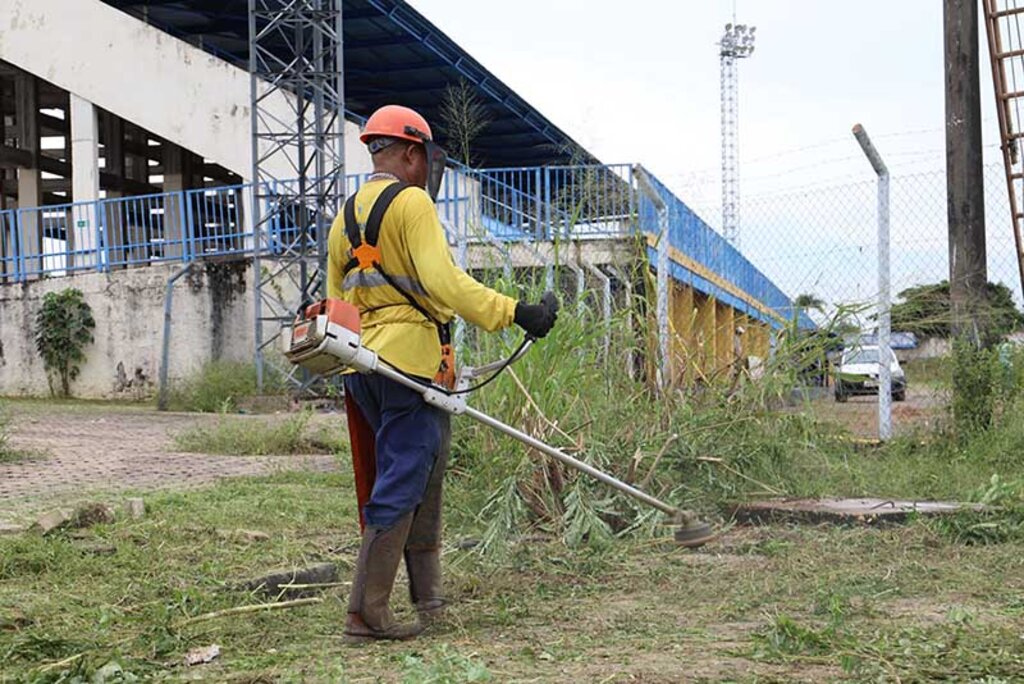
{"points": [[773, 603], [262, 436], [931, 372], [599, 594], [217, 387]]}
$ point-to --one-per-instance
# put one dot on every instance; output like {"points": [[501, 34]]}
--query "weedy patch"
{"points": [[262, 436], [218, 387]]}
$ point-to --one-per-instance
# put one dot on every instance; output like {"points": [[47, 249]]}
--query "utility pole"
{"points": [[737, 43], [965, 191]]}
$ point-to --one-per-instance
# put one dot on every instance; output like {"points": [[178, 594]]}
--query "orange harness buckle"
{"points": [[366, 255]]}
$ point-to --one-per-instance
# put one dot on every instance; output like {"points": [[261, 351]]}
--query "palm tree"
{"points": [[808, 301]]}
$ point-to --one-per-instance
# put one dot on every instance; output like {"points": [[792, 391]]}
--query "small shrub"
{"points": [[217, 388], [64, 327], [975, 375]]}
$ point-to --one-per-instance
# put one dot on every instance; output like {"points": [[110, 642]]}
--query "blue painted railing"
{"points": [[697, 241], [506, 204]]}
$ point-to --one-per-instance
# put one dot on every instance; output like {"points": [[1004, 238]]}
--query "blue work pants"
{"points": [[407, 434]]}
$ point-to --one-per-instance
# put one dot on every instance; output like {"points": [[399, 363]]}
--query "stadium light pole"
{"points": [[737, 43]]}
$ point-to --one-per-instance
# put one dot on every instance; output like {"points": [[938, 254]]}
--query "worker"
{"points": [[388, 255]]}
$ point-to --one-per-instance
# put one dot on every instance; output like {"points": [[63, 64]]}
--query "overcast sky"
{"points": [[643, 86]]}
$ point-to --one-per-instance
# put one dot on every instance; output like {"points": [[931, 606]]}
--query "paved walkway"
{"points": [[82, 450]]}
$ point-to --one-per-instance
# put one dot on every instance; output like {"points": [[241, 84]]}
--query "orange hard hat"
{"points": [[396, 121]]}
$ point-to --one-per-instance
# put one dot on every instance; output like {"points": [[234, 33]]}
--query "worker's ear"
{"points": [[409, 153]]}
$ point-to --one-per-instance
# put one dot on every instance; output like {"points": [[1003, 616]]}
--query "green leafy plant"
{"points": [[64, 326], [975, 378], [443, 665]]}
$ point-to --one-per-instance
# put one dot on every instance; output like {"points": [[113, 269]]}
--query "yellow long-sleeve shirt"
{"points": [[415, 253]]}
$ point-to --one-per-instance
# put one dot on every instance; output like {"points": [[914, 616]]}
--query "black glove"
{"points": [[537, 319]]}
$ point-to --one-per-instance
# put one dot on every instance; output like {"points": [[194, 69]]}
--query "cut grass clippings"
{"points": [[768, 604]]}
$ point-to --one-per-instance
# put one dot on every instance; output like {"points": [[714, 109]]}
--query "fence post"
{"points": [[180, 197], [538, 205], [884, 322], [661, 308], [165, 344], [189, 233], [21, 246], [97, 216]]}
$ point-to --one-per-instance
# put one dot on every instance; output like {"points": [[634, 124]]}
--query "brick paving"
{"points": [[81, 451]]}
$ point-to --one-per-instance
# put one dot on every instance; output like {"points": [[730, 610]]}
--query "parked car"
{"points": [[858, 374]]}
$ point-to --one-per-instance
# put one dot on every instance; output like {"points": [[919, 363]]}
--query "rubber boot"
{"points": [[423, 548], [369, 613]]}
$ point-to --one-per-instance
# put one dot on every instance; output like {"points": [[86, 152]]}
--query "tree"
{"points": [[64, 326], [809, 301], [926, 311], [463, 117]]}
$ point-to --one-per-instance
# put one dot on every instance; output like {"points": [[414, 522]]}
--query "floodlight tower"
{"points": [[737, 42]]}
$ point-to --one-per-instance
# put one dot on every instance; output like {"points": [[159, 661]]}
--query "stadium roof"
{"points": [[392, 54]]}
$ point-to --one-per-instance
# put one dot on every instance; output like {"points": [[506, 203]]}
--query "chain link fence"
{"points": [[819, 244]]}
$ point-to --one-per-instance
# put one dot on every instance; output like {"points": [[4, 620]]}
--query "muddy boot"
{"points": [[423, 548], [369, 615], [424, 568]]}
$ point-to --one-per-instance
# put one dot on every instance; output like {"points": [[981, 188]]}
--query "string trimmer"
{"points": [[326, 338]]}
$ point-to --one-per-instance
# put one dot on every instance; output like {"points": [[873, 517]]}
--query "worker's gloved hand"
{"points": [[538, 319]]}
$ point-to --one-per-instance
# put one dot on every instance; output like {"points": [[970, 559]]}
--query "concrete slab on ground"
{"points": [[843, 511]]}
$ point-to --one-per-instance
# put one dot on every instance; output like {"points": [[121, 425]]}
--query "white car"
{"points": [[858, 374]]}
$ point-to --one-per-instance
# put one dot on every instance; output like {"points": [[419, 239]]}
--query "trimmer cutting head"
{"points": [[692, 533]]}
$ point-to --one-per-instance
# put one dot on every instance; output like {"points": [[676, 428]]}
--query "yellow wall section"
{"points": [[702, 328], [701, 270], [704, 331], [681, 319]]}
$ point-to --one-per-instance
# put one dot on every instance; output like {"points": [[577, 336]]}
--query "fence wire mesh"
{"points": [[819, 245]]}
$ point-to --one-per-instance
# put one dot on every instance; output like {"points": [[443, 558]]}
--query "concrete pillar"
{"points": [[682, 316], [83, 233], [758, 343], [138, 220], [6, 248], [113, 159], [179, 165], [30, 194], [725, 328], [740, 320]]}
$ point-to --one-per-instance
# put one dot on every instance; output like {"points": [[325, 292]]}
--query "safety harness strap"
{"points": [[384, 200], [365, 253], [352, 232]]}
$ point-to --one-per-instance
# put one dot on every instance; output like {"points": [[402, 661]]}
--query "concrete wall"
{"points": [[212, 317], [927, 348], [147, 77]]}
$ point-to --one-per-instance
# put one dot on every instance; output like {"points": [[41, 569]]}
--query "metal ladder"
{"points": [[1004, 25]]}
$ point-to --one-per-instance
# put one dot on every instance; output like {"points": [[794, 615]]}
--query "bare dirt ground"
{"points": [[77, 451], [924, 407]]}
